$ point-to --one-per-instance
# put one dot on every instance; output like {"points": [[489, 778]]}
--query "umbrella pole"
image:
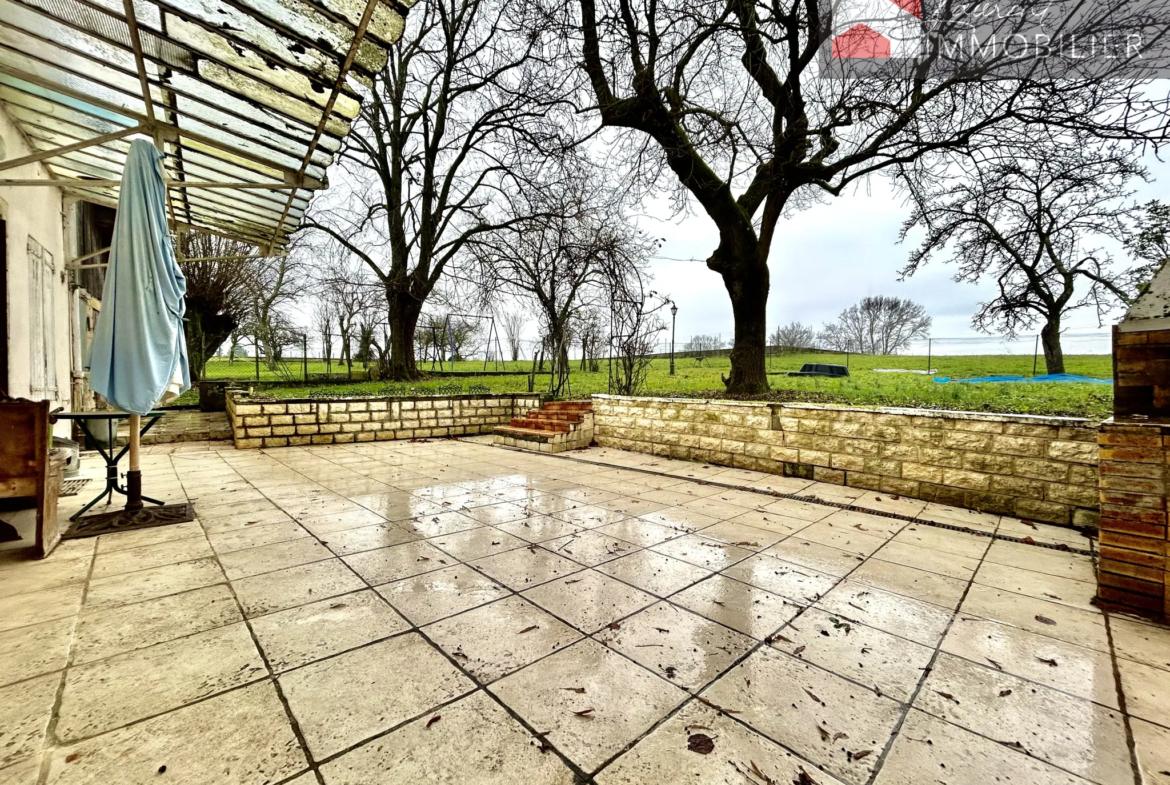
{"points": [[134, 474]]}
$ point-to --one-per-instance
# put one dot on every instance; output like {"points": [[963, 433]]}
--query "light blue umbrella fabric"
{"points": [[138, 343]]}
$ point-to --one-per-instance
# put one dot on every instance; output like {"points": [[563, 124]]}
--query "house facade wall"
{"points": [[39, 213]]}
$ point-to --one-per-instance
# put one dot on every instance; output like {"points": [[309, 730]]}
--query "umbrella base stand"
{"points": [[128, 520]]}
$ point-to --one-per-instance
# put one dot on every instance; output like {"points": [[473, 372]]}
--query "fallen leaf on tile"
{"points": [[584, 712], [72, 757], [1004, 693], [798, 650], [613, 625], [996, 664], [802, 778], [700, 743], [712, 705], [814, 697], [1045, 620], [859, 755], [948, 696], [529, 629], [1048, 662], [825, 735], [578, 690], [434, 719], [1053, 596], [336, 605], [840, 735], [662, 629], [1028, 541], [777, 637]]}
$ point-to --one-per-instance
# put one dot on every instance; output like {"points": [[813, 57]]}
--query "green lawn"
{"points": [[863, 387]]}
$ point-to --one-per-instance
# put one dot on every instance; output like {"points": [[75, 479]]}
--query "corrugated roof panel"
{"points": [[238, 94]]}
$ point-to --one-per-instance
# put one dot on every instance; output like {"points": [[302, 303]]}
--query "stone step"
{"points": [[540, 425], [569, 417], [525, 434], [568, 406]]}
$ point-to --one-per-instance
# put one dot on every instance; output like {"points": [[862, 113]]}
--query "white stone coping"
{"points": [[941, 414]]}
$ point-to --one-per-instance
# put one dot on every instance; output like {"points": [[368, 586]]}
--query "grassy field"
{"points": [[863, 387]]}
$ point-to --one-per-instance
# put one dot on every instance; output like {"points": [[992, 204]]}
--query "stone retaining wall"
{"points": [[1038, 468], [299, 421]]}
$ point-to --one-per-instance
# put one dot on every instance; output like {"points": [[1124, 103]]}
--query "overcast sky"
{"points": [[827, 258]]}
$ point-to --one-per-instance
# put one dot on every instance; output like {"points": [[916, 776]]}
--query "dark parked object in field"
{"points": [[820, 369]]}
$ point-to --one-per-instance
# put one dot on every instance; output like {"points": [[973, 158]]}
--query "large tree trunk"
{"points": [[205, 333], [403, 312], [747, 285], [1050, 340]]}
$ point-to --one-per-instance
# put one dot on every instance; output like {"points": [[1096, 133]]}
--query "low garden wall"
{"points": [[265, 422], [1038, 468]]}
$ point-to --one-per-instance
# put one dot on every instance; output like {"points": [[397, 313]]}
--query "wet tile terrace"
{"points": [[450, 611]]}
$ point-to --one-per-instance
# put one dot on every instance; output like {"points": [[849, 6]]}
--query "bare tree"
{"points": [[512, 324], [278, 282], [437, 141], [347, 293], [737, 106], [566, 253], [793, 337], [1149, 242], [636, 324], [218, 294], [1030, 220], [704, 344], [877, 325], [324, 317]]}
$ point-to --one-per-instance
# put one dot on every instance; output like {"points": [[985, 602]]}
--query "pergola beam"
{"points": [[210, 184], [69, 148]]}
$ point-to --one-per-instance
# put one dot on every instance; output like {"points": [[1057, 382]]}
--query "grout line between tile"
{"points": [[1130, 741]]}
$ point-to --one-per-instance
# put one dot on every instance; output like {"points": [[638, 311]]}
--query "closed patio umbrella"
{"points": [[139, 352]]}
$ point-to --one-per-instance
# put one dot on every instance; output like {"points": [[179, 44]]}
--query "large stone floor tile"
{"points": [[1152, 745], [119, 690], [237, 738], [919, 621], [922, 558], [792, 581], [276, 591], [591, 701], [320, 629], [270, 558], [343, 700], [1147, 691], [653, 572], [679, 645], [1072, 733], [589, 600], [740, 606], [911, 582], [1067, 667], [156, 535], [472, 742], [888, 664], [256, 535], [477, 543], [494, 640], [34, 650], [42, 576], [815, 556], [25, 709], [398, 561], [1065, 591], [436, 595], [109, 631], [701, 551], [146, 556], [1148, 644], [819, 716], [1084, 628], [677, 752], [526, 567], [151, 583], [930, 750]]}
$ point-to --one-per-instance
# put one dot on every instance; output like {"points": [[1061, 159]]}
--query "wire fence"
{"points": [[308, 357]]}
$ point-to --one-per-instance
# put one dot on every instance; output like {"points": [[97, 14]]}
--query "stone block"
{"points": [[1032, 431], [299, 408], [966, 440], [1146, 486], [834, 476], [1073, 452], [883, 467], [284, 430], [248, 444], [257, 421], [1048, 512], [274, 408], [253, 433], [1020, 445], [851, 463], [343, 438], [988, 462], [901, 487], [922, 473], [276, 441], [1041, 470], [950, 459], [960, 478], [1076, 495], [1017, 486], [870, 482], [281, 419], [297, 441]]}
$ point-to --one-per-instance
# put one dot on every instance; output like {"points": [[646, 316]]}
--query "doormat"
{"points": [[72, 487], [124, 520]]}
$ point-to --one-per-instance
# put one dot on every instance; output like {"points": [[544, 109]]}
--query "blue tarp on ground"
{"points": [[138, 343], [1057, 378]]}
